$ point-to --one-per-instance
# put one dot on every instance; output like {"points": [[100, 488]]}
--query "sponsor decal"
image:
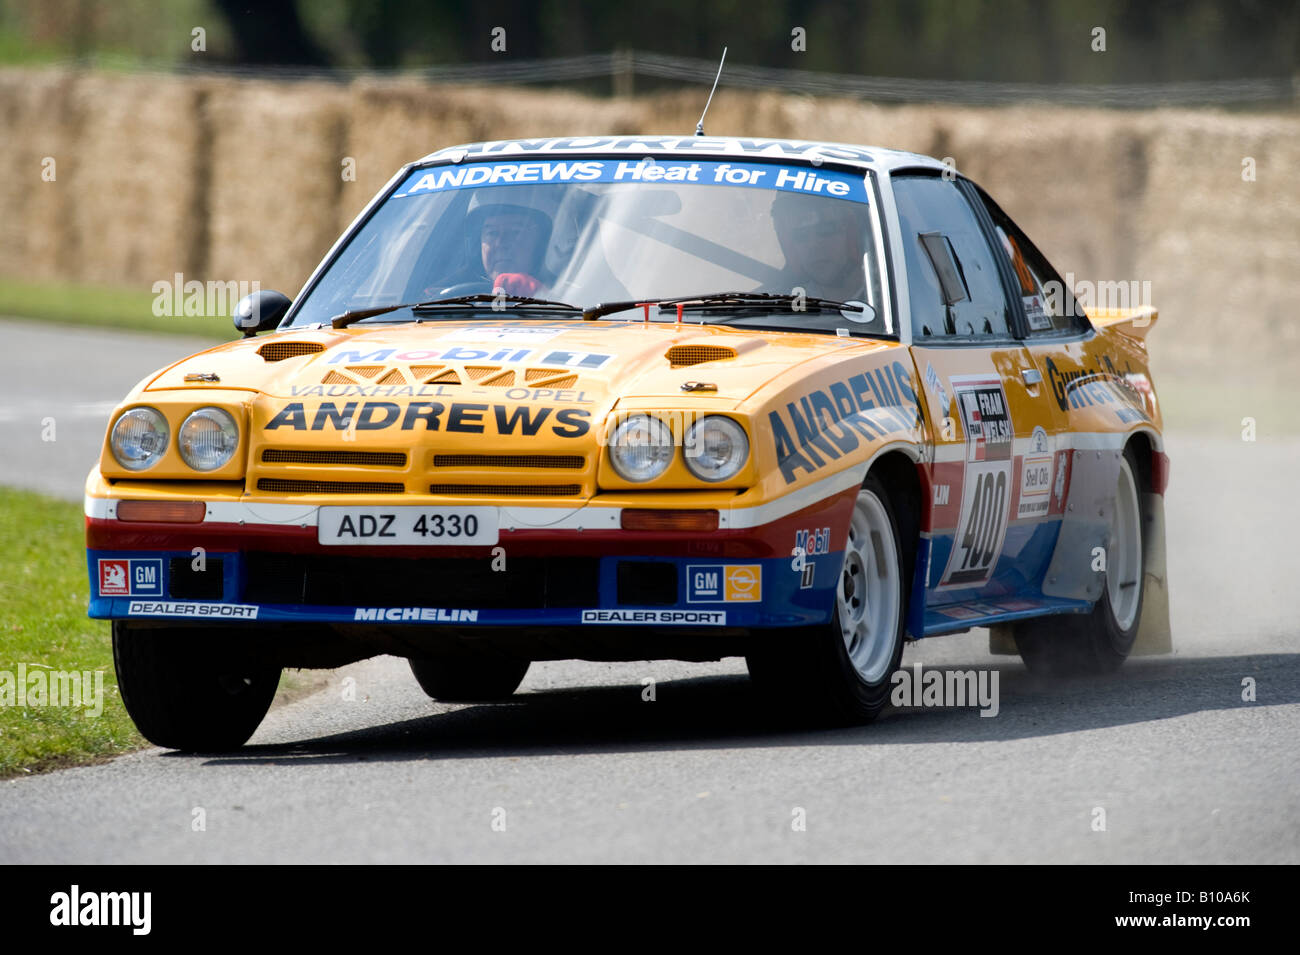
{"points": [[807, 576], [959, 613], [1036, 476], [437, 391], [724, 583], [941, 494], [506, 356], [114, 577], [415, 615], [826, 424], [643, 144], [814, 541], [134, 577], [189, 608], [455, 416], [935, 384], [672, 617], [1104, 385], [824, 182], [507, 334], [1036, 313], [986, 485]]}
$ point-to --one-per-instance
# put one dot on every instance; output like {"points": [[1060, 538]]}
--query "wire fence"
{"points": [[622, 67]]}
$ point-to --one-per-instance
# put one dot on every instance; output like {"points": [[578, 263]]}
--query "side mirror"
{"points": [[260, 312]]}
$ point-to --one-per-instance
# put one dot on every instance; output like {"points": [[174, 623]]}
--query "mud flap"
{"points": [[1154, 633], [1085, 526]]}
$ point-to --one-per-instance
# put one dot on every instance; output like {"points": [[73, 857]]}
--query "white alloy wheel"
{"points": [[868, 597], [1124, 559]]}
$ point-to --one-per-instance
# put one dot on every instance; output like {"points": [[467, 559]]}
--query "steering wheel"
{"points": [[476, 287]]}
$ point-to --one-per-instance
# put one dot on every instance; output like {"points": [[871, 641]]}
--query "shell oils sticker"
{"points": [[986, 484], [724, 583], [935, 384], [1036, 477]]}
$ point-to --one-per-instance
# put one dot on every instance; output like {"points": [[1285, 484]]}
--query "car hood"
{"points": [[592, 361]]}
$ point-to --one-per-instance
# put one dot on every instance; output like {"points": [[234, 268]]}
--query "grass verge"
{"points": [[43, 625], [104, 307]]}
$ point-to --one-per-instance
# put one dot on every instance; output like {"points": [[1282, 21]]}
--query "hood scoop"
{"points": [[279, 351]]}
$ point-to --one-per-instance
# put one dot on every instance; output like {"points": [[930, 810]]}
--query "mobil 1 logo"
{"points": [[986, 484]]}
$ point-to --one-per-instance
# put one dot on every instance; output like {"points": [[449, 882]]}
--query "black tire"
{"points": [[1070, 645], [477, 679], [182, 693], [812, 668]]}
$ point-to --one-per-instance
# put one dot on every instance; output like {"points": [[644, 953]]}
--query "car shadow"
{"points": [[726, 712]]}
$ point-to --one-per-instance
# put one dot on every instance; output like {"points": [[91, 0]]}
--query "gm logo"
{"points": [[724, 583]]}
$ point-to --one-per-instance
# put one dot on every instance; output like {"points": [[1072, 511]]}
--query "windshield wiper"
{"points": [[727, 299], [356, 315]]}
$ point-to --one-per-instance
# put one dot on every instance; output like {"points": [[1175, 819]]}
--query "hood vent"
{"points": [[279, 351], [680, 356]]}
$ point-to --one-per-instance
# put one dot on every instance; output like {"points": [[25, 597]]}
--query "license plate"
{"points": [[408, 526]]}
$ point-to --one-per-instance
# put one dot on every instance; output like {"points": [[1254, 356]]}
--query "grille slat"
{"points": [[383, 459], [288, 486], [508, 490], [574, 462]]}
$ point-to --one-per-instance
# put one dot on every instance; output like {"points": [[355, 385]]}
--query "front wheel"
{"points": [[187, 690], [476, 679], [842, 671], [1100, 641]]}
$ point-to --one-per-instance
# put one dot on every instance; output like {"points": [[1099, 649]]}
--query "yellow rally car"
{"points": [[618, 399]]}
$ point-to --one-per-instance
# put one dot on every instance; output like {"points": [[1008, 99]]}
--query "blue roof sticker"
{"points": [[783, 178]]}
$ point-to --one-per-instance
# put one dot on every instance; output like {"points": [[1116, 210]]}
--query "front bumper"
{"points": [[259, 564]]}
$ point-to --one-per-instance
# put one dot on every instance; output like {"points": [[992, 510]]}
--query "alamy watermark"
{"points": [[179, 297], [42, 686], [926, 688]]}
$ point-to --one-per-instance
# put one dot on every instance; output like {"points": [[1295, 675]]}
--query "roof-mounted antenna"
{"points": [[699, 127]]}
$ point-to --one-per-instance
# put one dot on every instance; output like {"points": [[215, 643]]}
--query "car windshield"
{"points": [[592, 231]]}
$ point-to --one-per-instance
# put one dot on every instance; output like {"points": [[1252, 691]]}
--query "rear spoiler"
{"points": [[1134, 322]]}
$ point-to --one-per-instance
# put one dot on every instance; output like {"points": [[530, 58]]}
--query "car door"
{"points": [[986, 537]]}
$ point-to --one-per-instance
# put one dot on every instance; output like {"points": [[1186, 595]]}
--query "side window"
{"points": [[1049, 306], [952, 277]]}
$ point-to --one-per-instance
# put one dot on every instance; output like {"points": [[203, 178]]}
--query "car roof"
{"points": [[797, 150]]}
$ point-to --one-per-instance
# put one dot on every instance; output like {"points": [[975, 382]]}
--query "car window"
{"points": [[1049, 306], [940, 235], [592, 231]]}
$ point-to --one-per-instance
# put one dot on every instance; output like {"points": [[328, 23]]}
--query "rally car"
{"points": [[638, 398]]}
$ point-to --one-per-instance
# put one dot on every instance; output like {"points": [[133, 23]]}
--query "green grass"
{"points": [[106, 307], [43, 597]]}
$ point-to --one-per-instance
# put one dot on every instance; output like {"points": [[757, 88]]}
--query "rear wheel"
{"points": [[841, 671], [476, 679], [185, 691], [1100, 641]]}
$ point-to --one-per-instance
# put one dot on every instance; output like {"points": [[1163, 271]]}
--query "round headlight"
{"points": [[208, 439], [716, 448], [641, 448], [139, 439]]}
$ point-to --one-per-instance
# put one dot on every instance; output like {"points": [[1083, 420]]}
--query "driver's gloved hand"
{"points": [[517, 283]]}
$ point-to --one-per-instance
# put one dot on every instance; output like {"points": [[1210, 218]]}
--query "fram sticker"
{"points": [[986, 484]]}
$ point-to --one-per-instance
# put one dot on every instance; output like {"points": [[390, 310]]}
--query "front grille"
{"points": [[285, 486], [337, 378], [383, 459], [682, 355], [508, 490], [278, 351], [365, 371], [574, 462], [333, 581]]}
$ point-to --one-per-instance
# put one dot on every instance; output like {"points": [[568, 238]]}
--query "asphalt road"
{"points": [[579, 767]]}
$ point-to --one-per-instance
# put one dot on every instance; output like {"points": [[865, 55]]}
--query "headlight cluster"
{"points": [[207, 439], [715, 448]]}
